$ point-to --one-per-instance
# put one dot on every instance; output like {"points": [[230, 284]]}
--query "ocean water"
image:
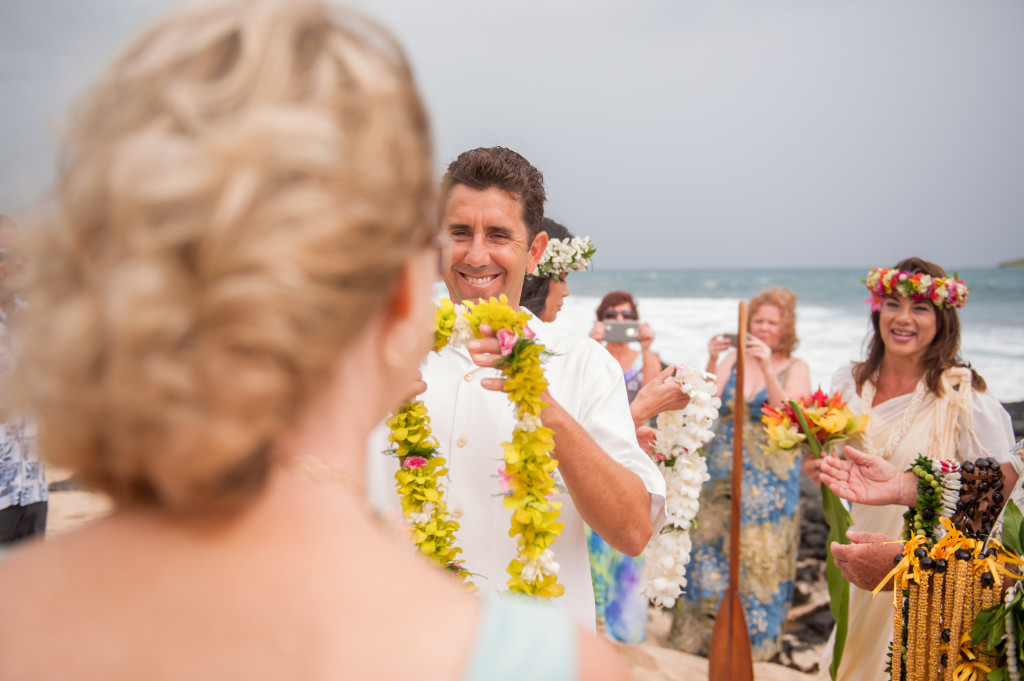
{"points": [[686, 307]]}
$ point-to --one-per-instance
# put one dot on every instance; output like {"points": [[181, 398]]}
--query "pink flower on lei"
{"points": [[414, 462], [503, 480], [507, 340]]}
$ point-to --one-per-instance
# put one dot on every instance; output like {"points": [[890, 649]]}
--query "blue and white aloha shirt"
{"points": [[22, 475]]}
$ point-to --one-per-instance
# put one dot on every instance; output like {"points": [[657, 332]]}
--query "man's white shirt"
{"points": [[470, 423]]}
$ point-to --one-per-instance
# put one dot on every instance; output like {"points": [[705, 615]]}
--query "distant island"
{"points": [[1019, 262]]}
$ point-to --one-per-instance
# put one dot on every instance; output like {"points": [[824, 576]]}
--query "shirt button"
{"points": [[457, 513], [468, 378], [461, 442]]}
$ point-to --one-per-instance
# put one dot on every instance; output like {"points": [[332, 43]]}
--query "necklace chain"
{"points": [[315, 469]]}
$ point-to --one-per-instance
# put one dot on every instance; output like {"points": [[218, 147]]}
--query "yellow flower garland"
{"points": [[528, 462], [433, 531]]}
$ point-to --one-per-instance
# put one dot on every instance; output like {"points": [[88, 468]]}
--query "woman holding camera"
{"points": [[638, 366], [647, 385], [771, 488], [621, 608]]}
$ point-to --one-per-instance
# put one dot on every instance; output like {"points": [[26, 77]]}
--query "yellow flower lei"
{"points": [[528, 462], [433, 531]]}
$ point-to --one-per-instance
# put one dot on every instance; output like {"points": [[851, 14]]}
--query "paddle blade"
{"points": [[729, 656]]}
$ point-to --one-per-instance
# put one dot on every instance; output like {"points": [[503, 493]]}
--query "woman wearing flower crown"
{"points": [[618, 578], [212, 338], [770, 525], [648, 385], [920, 398], [547, 286]]}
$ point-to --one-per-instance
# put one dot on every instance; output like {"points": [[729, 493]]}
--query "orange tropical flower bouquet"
{"points": [[815, 424]]}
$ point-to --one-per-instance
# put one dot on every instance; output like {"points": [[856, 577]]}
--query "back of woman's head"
{"points": [[944, 350], [535, 289], [235, 199]]}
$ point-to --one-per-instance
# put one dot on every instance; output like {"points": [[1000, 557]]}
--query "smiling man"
{"points": [[491, 208]]}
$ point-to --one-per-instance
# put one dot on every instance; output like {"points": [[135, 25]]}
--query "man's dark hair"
{"points": [[503, 168]]}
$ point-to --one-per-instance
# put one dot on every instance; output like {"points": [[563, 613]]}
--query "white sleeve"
{"points": [[993, 432], [842, 382], [604, 414]]}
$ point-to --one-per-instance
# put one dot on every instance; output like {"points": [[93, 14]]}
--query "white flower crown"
{"points": [[563, 256]]}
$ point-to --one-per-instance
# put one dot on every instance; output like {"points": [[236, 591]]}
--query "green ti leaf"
{"points": [[1013, 529], [839, 522]]}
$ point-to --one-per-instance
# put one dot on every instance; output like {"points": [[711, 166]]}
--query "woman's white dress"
{"points": [[961, 424]]}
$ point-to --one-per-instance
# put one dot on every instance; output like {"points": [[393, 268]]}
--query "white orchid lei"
{"points": [[565, 255], [528, 463], [681, 434]]}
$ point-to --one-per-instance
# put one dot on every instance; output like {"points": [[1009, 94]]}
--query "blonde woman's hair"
{"points": [[235, 199], [785, 300]]}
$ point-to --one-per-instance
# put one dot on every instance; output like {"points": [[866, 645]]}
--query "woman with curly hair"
{"points": [[770, 524], [233, 289]]}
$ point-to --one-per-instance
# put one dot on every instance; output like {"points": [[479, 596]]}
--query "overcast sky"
{"points": [[677, 133]]}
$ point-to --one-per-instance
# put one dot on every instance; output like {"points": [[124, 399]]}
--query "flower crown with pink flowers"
{"points": [[944, 292]]}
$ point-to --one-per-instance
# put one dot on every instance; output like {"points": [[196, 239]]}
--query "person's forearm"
{"points": [[643, 407], [639, 411], [612, 500], [652, 366], [1009, 479], [908, 489], [776, 393]]}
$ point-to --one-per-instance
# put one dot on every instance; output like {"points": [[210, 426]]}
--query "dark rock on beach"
{"points": [[1016, 410], [810, 621]]}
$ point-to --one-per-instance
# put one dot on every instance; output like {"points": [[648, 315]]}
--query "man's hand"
{"points": [[645, 435], [867, 479], [417, 387], [866, 561], [485, 352], [658, 395]]}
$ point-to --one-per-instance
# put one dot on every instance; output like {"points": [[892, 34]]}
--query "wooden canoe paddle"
{"points": [[729, 655]]}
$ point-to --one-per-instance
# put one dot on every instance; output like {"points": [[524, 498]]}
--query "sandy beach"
{"points": [[648, 661]]}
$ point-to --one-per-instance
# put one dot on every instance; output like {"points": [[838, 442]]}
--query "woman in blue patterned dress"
{"points": [[770, 525], [618, 578]]}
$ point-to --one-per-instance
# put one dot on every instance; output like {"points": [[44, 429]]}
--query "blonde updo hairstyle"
{"points": [[236, 197], [785, 300]]}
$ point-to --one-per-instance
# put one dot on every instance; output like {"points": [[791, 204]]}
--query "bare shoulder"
{"points": [[598, 659], [726, 363], [797, 363]]}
